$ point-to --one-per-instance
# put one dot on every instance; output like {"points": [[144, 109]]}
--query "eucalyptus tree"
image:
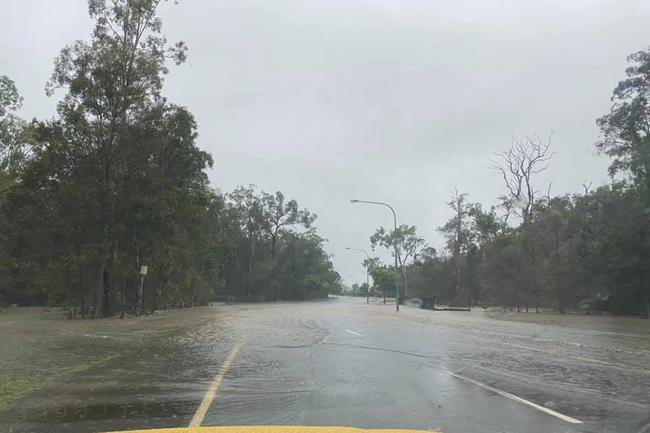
{"points": [[625, 137], [404, 240]]}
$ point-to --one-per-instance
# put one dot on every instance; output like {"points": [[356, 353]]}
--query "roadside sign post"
{"points": [[143, 272]]}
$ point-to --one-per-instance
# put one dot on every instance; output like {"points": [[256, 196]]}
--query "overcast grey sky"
{"points": [[399, 101]]}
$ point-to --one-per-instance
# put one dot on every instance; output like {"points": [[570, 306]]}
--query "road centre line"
{"points": [[517, 399], [354, 333], [202, 410]]}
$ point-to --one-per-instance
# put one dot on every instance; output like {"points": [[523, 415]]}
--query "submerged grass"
{"points": [[625, 331], [45, 347], [13, 388]]}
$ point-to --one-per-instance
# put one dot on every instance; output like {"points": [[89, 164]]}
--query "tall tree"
{"points": [[404, 240], [626, 138], [113, 86], [458, 235], [248, 211], [283, 214], [518, 165], [12, 131]]}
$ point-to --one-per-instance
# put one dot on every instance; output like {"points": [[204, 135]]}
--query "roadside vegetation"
{"points": [[115, 181], [46, 348], [106, 208], [534, 250]]}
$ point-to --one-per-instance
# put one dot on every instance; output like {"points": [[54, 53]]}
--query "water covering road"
{"points": [[342, 362]]}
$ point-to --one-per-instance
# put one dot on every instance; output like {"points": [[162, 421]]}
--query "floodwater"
{"points": [[333, 362]]}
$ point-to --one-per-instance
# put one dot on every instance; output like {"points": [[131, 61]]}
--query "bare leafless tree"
{"points": [[517, 165], [548, 192]]}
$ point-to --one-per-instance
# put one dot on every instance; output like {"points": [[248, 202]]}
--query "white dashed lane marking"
{"points": [[354, 333], [517, 399]]}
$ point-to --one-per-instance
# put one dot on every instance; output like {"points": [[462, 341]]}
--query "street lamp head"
{"points": [[354, 201], [347, 248]]}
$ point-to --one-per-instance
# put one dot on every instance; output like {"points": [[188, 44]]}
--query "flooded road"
{"points": [[335, 362]]}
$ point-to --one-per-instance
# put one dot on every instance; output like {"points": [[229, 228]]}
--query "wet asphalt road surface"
{"points": [[342, 362]]}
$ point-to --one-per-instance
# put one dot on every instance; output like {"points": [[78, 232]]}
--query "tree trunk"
{"points": [[106, 303], [406, 285], [82, 306], [558, 290], [98, 295], [140, 310], [123, 298], [251, 261], [276, 287]]}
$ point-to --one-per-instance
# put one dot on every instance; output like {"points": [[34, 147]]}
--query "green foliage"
{"points": [[583, 251], [590, 255], [626, 138], [625, 129], [383, 280], [10, 99], [116, 181], [403, 241], [13, 132]]}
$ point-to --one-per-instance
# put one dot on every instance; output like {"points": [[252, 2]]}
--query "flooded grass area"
{"points": [[628, 331], [298, 359], [12, 388], [41, 347]]}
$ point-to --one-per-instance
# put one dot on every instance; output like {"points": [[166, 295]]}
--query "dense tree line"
{"points": [[587, 255], [533, 250], [115, 181]]}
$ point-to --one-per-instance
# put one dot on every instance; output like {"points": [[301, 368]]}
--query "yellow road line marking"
{"points": [[202, 410]]}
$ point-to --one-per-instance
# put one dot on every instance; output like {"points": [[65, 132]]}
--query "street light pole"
{"points": [[367, 263], [381, 203]]}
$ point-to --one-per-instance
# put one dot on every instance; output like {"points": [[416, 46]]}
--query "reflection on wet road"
{"points": [[342, 362]]}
